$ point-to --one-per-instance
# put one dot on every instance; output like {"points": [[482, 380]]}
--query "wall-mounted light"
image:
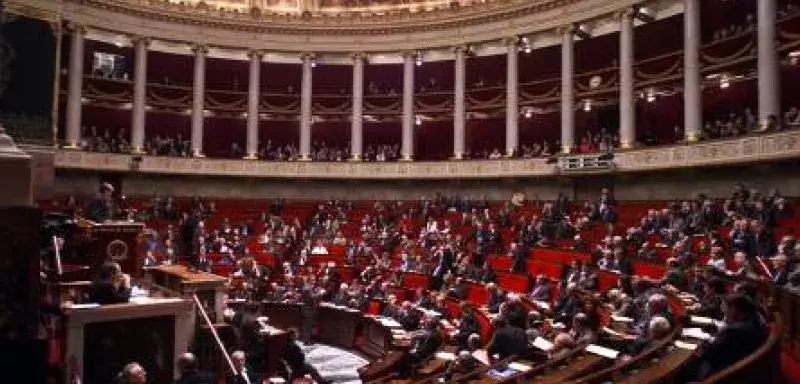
{"points": [[528, 113], [587, 105], [313, 62], [418, 59], [651, 95], [724, 82], [418, 121]]}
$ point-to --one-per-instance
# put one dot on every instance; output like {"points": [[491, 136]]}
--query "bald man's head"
{"points": [[187, 362]]}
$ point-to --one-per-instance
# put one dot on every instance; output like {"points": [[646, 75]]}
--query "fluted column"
{"points": [[627, 111], [254, 84], [305, 108], [140, 45], [459, 109], [407, 147], [768, 86], [512, 96], [357, 123], [198, 99], [75, 87], [692, 96], [567, 95]]}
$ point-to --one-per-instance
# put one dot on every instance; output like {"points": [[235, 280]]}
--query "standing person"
{"points": [[101, 208], [247, 330], [189, 226]]}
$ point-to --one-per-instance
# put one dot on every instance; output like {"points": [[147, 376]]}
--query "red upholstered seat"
{"points": [[606, 280], [500, 262], [549, 269], [485, 326], [476, 294], [415, 280], [512, 282], [558, 256], [374, 307], [655, 271]]}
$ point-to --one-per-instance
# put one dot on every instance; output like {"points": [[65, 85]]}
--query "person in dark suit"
{"points": [[296, 360], [541, 290], [243, 374], [519, 257], [190, 373], [466, 361], [424, 343], [467, 325], [101, 208], [507, 340], [744, 332], [248, 335], [495, 297], [111, 285], [188, 230]]}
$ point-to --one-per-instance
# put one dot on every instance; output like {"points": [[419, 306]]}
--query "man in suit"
{"points": [[519, 257], [507, 340], [744, 332], [190, 373], [424, 343], [111, 286], [101, 208], [296, 360], [495, 297], [248, 335], [243, 373], [541, 290]]}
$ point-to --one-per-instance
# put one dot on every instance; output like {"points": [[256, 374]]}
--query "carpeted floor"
{"points": [[334, 364]]}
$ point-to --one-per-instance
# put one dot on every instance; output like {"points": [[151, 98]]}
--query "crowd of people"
{"points": [[714, 251]]}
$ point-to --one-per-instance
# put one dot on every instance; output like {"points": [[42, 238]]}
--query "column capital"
{"points": [[358, 56], [565, 29], [511, 40], [624, 14], [307, 56], [76, 27], [255, 53], [199, 48], [460, 48], [409, 54], [136, 39]]}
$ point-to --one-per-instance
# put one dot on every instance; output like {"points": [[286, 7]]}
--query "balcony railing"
{"points": [[750, 149]]}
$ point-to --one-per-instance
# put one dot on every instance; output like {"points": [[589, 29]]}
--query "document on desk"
{"points": [[153, 300], [447, 356], [685, 345], [519, 367], [387, 322], [482, 356], [622, 319], [602, 351], [543, 344], [696, 333], [541, 304], [82, 306], [706, 321]]}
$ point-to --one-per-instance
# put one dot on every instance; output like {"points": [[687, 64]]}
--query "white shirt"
{"points": [[319, 250]]}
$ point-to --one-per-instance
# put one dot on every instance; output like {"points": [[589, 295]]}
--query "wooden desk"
{"points": [[661, 370], [101, 340], [282, 315], [377, 338], [337, 326], [210, 289]]}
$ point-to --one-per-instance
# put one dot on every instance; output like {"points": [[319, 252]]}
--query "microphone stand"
{"points": [[216, 337]]}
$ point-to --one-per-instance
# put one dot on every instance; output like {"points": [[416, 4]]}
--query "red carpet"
{"points": [[790, 368]]}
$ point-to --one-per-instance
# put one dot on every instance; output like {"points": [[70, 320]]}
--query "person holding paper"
{"points": [[744, 332], [111, 286]]}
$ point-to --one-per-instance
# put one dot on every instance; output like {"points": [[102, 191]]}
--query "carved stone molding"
{"points": [[768, 147]]}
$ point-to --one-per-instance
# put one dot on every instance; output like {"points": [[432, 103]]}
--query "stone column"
{"points": [[627, 104], [305, 108], [75, 87], [357, 123], [512, 96], [768, 86], [140, 45], [198, 99], [459, 109], [567, 96], [692, 96], [407, 148], [254, 85]]}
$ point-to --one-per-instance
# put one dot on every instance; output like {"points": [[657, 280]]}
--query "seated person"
{"points": [[563, 345], [541, 290], [424, 343], [467, 325], [581, 332], [494, 297], [190, 372], [659, 328], [710, 304], [507, 340], [111, 286], [243, 374], [744, 332], [465, 361]]}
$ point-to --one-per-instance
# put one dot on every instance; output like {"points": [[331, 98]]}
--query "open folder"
{"points": [[602, 351]]}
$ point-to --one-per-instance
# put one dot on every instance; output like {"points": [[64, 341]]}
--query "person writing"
{"points": [[111, 285]]}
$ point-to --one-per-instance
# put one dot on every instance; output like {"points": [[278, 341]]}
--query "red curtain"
{"points": [[433, 140], [104, 118], [388, 133], [485, 135]]}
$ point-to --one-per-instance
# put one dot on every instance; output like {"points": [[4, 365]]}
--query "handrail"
{"points": [[729, 374], [216, 336]]}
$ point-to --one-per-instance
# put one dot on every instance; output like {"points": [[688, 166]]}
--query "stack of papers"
{"points": [[82, 306], [447, 356], [543, 344], [387, 322], [685, 345], [541, 304], [622, 319], [602, 351], [696, 333], [482, 356], [706, 321], [519, 367]]}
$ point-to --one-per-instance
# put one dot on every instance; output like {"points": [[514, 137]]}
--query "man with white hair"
{"points": [[658, 329], [243, 374], [132, 373]]}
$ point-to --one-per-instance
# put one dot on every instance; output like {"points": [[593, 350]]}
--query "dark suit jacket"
{"points": [[542, 292], [732, 344], [239, 379], [98, 211], [507, 341], [103, 292], [197, 377], [425, 345]]}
